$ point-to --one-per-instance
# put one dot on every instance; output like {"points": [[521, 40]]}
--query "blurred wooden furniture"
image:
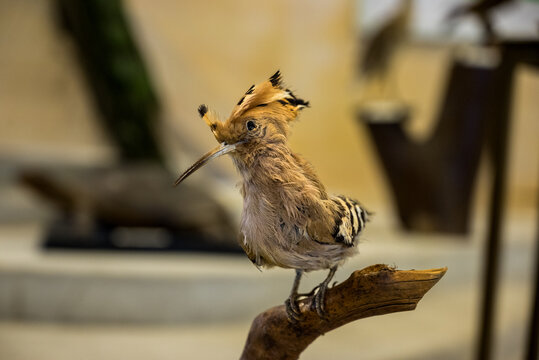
{"points": [[132, 206], [432, 181]]}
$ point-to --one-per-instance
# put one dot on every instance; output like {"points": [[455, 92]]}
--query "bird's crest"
{"points": [[269, 92], [269, 99]]}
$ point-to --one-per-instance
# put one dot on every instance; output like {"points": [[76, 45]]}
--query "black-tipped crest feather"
{"points": [[275, 79], [268, 93], [202, 110], [250, 91]]}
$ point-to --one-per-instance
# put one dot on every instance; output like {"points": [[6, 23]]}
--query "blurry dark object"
{"points": [[131, 207], [383, 290], [378, 53], [115, 73], [481, 9], [533, 334], [432, 181], [512, 54]]}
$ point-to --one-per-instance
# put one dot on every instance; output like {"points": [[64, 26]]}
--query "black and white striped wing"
{"points": [[350, 220]]}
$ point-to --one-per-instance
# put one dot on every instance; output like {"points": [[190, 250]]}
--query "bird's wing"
{"points": [[342, 219], [310, 174], [347, 220]]}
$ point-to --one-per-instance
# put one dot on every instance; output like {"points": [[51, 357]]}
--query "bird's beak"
{"points": [[222, 149]]}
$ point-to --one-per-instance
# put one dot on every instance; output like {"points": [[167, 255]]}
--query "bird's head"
{"points": [[261, 117]]}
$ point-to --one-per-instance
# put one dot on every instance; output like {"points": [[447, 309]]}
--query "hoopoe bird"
{"points": [[288, 218]]}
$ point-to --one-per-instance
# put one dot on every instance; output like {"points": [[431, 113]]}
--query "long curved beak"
{"points": [[222, 149]]}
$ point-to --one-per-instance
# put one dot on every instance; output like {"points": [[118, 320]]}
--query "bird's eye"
{"points": [[251, 125]]}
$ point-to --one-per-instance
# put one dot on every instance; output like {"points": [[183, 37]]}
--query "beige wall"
{"points": [[44, 107]]}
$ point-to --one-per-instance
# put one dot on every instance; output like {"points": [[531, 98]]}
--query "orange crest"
{"points": [[268, 100]]}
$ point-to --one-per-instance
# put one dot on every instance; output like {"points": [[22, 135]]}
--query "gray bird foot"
{"points": [[318, 301], [320, 296], [292, 309]]}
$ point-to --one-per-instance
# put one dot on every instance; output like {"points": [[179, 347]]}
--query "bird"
{"points": [[288, 219]]}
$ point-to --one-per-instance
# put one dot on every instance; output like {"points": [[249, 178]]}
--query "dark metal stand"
{"points": [[511, 55], [533, 334], [498, 141]]}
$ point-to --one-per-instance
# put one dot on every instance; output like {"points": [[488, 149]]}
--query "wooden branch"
{"points": [[375, 290]]}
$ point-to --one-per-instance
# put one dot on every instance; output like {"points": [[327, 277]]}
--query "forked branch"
{"points": [[375, 290]]}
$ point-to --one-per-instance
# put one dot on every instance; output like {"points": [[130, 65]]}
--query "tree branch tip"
{"points": [[384, 268]]}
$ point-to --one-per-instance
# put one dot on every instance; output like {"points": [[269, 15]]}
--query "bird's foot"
{"points": [[293, 311], [319, 299]]}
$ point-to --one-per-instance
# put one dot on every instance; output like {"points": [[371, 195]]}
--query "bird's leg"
{"points": [[320, 296], [292, 308]]}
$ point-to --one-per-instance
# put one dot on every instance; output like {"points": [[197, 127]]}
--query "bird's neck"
{"points": [[262, 163], [266, 170]]}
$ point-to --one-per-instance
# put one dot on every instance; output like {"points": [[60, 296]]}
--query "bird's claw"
{"points": [[318, 302], [292, 309]]}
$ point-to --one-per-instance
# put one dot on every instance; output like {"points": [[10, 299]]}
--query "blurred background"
{"points": [[425, 111]]}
